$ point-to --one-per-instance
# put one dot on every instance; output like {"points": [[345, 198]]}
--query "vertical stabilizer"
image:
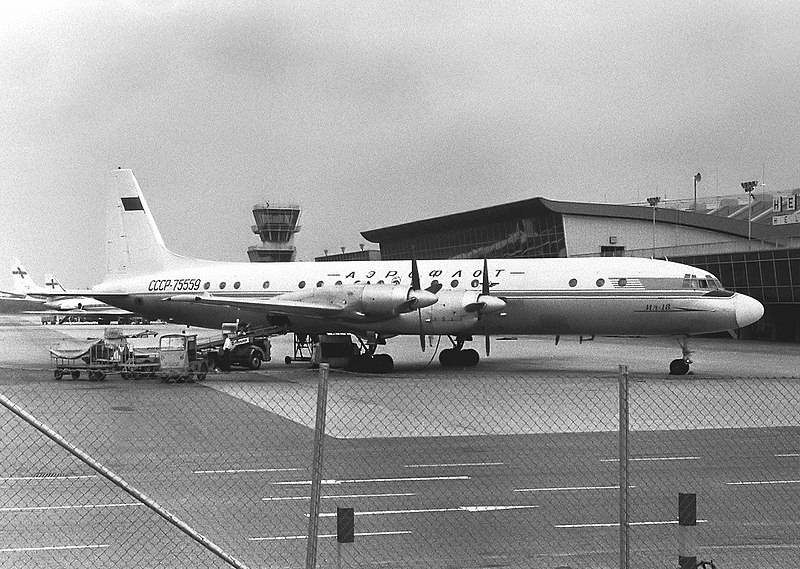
{"points": [[23, 283], [51, 283], [134, 244]]}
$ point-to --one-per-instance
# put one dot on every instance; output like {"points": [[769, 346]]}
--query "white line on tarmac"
{"points": [[787, 455], [293, 537], [470, 509], [567, 488], [762, 482], [50, 548], [451, 465], [616, 524], [79, 507], [246, 470], [286, 498], [652, 458], [356, 481]]}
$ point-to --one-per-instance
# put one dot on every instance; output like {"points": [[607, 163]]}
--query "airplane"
{"points": [[60, 302], [377, 300]]}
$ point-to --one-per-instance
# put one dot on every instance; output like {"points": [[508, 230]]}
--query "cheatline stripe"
{"points": [[288, 498], [355, 481], [762, 482], [294, 537], [616, 524], [567, 488], [652, 458], [470, 509], [78, 507], [246, 470], [51, 548]]}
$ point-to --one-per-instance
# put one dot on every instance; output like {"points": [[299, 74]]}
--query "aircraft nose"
{"points": [[748, 310]]}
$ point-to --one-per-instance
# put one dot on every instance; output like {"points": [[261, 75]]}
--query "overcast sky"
{"points": [[370, 114]]}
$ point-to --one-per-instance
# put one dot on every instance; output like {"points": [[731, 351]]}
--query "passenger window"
{"points": [[266, 284], [476, 283], [573, 282], [222, 285], [622, 282], [454, 283], [338, 283], [237, 284], [207, 285], [319, 284], [600, 282], [301, 284]]}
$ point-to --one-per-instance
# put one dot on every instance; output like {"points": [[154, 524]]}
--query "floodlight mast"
{"points": [[748, 188], [653, 203]]}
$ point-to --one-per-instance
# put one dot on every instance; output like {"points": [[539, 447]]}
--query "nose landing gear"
{"points": [[680, 366]]}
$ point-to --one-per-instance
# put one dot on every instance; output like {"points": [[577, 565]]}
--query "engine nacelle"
{"points": [[458, 311]]}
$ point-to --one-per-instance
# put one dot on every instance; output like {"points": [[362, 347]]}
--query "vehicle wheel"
{"points": [[288, 360], [201, 374], [678, 367], [100, 376], [75, 374], [58, 373], [255, 359]]}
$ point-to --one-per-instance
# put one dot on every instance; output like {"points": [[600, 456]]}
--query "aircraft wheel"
{"points": [[76, 374], [678, 367], [383, 363], [469, 357], [288, 360], [448, 357], [58, 373], [255, 360]]}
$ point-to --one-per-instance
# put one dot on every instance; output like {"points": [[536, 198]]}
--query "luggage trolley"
{"points": [[93, 356]]}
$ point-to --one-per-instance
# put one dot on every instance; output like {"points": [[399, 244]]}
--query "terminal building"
{"points": [[750, 242]]}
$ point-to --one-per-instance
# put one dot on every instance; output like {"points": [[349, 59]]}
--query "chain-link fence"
{"points": [[442, 468]]}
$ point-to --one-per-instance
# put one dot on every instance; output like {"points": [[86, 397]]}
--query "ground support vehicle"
{"points": [[179, 358], [303, 348], [250, 348], [93, 357]]}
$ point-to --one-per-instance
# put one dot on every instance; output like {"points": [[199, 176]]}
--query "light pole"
{"points": [[653, 203], [697, 178], [748, 188]]}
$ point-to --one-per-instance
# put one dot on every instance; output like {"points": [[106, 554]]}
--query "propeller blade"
{"points": [[485, 290], [417, 285]]}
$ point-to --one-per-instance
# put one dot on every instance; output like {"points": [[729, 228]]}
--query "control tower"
{"points": [[276, 226]]}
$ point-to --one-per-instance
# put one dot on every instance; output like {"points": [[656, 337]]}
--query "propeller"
{"points": [[485, 291], [417, 285]]}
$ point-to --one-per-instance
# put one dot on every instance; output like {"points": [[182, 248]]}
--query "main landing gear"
{"points": [[367, 361], [680, 366], [457, 356]]}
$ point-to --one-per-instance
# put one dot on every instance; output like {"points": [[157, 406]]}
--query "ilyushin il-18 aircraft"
{"points": [[377, 300]]}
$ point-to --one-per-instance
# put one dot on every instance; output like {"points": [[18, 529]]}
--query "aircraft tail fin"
{"points": [[52, 284], [23, 283], [134, 244]]}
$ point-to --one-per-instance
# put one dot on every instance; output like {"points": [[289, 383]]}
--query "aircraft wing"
{"points": [[111, 311], [277, 306]]}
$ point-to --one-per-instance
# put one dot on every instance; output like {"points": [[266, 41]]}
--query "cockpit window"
{"points": [[708, 282]]}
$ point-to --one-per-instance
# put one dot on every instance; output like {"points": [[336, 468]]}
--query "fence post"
{"points": [[316, 466], [623, 467], [687, 520]]}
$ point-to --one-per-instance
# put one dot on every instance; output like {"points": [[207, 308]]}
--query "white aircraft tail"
{"points": [[23, 283], [51, 283], [134, 244]]}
